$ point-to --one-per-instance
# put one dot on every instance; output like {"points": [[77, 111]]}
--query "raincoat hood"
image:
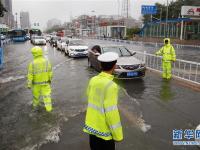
{"points": [[168, 42], [37, 51]]}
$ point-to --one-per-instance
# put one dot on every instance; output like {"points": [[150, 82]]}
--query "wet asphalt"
{"points": [[150, 108]]}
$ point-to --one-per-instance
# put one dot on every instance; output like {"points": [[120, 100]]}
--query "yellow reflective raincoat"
{"points": [[39, 78], [168, 55], [102, 117]]}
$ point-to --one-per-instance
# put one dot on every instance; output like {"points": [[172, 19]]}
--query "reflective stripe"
{"points": [[40, 82], [113, 127], [111, 108], [93, 131], [100, 109]]}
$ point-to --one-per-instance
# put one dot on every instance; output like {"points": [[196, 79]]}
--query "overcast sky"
{"points": [[43, 10]]}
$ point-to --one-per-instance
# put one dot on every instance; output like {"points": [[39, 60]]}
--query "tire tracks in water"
{"points": [[134, 118]]}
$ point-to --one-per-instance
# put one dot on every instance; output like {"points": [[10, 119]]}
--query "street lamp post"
{"points": [[94, 22], [16, 19], [167, 15]]}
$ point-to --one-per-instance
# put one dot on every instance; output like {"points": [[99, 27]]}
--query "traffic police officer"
{"points": [[102, 121], [39, 78], [168, 55]]}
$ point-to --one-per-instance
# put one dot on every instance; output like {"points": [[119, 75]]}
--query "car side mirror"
{"points": [[133, 53], [97, 54]]}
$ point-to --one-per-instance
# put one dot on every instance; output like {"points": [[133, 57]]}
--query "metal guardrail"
{"points": [[182, 69], [185, 70], [141, 42]]}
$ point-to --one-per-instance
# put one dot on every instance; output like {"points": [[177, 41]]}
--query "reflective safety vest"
{"points": [[167, 51], [39, 72], [102, 117]]}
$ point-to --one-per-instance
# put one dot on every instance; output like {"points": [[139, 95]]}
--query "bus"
{"points": [[17, 35], [35, 32]]}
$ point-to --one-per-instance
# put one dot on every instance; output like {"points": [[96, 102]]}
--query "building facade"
{"points": [[8, 18], [24, 20], [53, 22]]}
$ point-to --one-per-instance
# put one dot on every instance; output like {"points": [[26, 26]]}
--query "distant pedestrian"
{"points": [[168, 56], [39, 79], [102, 121]]}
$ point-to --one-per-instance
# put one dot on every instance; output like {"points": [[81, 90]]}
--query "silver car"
{"points": [[128, 67]]}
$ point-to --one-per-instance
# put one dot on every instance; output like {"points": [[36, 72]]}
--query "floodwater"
{"points": [[150, 108]]}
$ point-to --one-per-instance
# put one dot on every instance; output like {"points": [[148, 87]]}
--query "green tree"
{"points": [[132, 31], [2, 10]]}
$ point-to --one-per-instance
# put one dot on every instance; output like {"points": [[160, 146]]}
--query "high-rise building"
{"points": [[8, 18], [24, 20], [53, 22], [8, 5]]}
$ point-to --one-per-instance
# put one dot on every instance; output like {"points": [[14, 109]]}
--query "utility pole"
{"points": [[16, 19], [167, 15], [127, 5], [160, 22]]}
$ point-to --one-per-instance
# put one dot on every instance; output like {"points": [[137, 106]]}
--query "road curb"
{"points": [[185, 83]]}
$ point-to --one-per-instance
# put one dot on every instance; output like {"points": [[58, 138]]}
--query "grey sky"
{"points": [[43, 10]]}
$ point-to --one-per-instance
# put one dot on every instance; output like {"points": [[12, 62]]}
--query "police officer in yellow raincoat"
{"points": [[102, 121], [39, 79], [168, 56]]}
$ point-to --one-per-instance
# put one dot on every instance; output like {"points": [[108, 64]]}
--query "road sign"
{"points": [[190, 11], [149, 9]]}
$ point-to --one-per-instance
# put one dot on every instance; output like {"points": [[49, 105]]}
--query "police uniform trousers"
{"points": [[100, 144]]}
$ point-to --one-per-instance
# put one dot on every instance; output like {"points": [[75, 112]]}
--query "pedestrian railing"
{"points": [[182, 69], [186, 70], [157, 44]]}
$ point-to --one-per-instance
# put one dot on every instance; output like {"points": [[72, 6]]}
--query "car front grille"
{"points": [[130, 67], [79, 50]]}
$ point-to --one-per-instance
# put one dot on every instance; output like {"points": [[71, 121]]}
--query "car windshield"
{"points": [[76, 42], [120, 50], [55, 38], [39, 37]]}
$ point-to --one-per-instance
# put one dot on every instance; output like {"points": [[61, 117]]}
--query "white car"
{"points": [[76, 48], [39, 40], [61, 44]]}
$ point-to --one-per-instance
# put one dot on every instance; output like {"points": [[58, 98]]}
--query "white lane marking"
{"points": [[60, 64], [15, 78], [11, 78]]}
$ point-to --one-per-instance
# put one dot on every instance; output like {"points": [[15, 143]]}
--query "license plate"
{"points": [[132, 74]]}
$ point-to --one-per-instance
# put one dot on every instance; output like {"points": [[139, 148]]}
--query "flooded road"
{"points": [[150, 108]]}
